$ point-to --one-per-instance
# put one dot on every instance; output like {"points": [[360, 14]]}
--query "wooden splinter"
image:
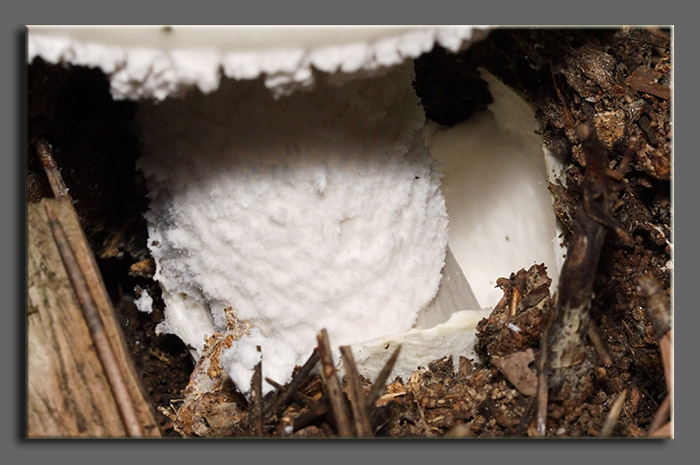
{"points": [[332, 384]]}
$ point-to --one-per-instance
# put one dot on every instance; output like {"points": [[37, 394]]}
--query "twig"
{"points": [[599, 344], [658, 311], [380, 382], [363, 426], [514, 301], [542, 388], [564, 107], [663, 432], [256, 398], [277, 406], [335, 395], [569, 365], [58, 187], [297, 395], [274, 384], [421, 413], [614, 414], [97, 330], [317, 410], [662, 416], [666, 359]]}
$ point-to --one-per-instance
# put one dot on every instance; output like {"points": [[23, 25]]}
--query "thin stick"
{"points": [[94, 322], [380, 382], [421, 413], [657, 308], [274, 384], [280, 403], [514, 301], [663, 432], [662, 416], [335, 395], [564, 107], [614, 414], [363, 426], [58, 187], [256, 399], [298, 396], [658, 312], [665, 345], [599, 345], [542, 388]]}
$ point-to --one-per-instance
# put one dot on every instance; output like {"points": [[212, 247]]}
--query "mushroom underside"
{"points": [[327, 207]]}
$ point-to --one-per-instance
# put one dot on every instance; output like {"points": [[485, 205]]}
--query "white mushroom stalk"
{"points": [[299, 190], [316, 210]]}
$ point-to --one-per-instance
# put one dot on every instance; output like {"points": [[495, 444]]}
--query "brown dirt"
{"points": [[616, 80]]}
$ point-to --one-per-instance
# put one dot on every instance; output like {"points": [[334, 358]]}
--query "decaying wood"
{"points": [[363, 426], [60, 191], [644, 79], [210, 407], [87, 304], [81, 381], [330, 378], [569, 366]]}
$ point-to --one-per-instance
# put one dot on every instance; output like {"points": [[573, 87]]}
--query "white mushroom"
{"points": [[298, 188]]}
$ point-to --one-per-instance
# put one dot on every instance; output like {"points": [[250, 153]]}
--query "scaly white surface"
{"points": [[495, 185], [315, 210], [155, 62]]}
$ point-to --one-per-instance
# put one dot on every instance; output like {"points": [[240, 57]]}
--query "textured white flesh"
{"points": [[316, 210]]}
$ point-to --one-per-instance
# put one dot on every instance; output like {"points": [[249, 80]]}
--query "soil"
{"points": [[616, 81]]}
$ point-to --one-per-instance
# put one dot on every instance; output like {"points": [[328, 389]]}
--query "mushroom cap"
{"points": [[154, 62]]}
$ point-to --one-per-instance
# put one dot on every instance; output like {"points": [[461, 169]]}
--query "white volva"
{"points": [[495, 185]]}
